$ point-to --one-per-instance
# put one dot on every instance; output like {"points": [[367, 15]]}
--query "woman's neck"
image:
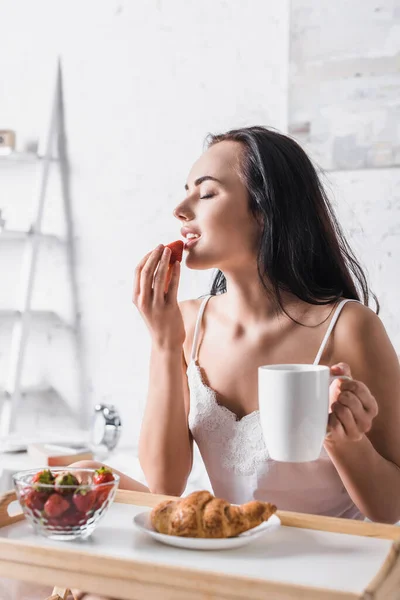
{"points": [[249, 304], [248, 301]]}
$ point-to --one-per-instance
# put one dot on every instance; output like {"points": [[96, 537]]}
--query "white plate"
{"points": [[142, 522]]}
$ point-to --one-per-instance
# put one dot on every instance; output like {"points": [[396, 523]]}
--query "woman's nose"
{"points": [[183, 212]]}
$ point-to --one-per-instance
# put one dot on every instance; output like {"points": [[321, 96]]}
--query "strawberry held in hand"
{"points": [[56, 505], [176, 251]]}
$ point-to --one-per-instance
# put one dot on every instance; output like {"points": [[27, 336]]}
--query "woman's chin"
{"points": [[197, 264]]}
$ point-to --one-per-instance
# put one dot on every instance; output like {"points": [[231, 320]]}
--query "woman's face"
{"points": [[216, 209]]}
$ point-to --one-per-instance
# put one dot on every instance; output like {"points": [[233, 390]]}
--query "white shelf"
{"points": [[32, 391], [22, 157], [41, 406], [42, 315], [12, 235], [39, 393]]}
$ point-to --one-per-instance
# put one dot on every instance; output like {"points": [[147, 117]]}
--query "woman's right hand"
{"points": [[155, 296]]}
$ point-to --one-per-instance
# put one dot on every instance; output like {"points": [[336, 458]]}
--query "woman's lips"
{"points": [[189, 243]]}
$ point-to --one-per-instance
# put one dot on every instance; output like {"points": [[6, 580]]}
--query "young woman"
{"points": [[287, 290]]}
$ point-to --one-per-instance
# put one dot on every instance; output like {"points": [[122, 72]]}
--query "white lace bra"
{"points": [[237, 461]]}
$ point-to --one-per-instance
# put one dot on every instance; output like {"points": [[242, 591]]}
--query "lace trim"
{"points": [[237, 445], [213, 396]]}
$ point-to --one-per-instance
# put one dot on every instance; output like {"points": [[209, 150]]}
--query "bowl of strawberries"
{"points": [[65, 504]]}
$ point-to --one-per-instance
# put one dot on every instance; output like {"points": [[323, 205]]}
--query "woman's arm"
{"points": [[165, 445], [365, 446]]}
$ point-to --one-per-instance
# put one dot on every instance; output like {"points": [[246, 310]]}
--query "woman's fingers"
{"points": [[161, 275], [335, 426], [136, 281], [174, 282], [363, 394], [353, 403], [168, 278], [147, 274], [347, 420]]}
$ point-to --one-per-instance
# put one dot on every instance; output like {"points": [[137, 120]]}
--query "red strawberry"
{"points": [[72, 518], [64, 479], [46, 477], [176, 251], [102, 475], [84, 499], [35, 501], [56, 505]]}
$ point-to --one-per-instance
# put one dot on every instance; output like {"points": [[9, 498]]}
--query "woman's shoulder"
{"points": [[360, 334], [190, 308], [358, 319]]}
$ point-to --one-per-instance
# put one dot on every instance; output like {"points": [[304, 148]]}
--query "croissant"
{"points": [[201, 515]]}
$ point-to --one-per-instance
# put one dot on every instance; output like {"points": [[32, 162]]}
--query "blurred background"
{"points": [[137, 87]]}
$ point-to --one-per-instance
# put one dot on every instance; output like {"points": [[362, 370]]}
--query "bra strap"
{"points": [[197, 328], [330, 328]]}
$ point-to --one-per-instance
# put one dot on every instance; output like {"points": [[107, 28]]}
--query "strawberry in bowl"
{"points": [[102, 477], [46, 477], [65, 504]]}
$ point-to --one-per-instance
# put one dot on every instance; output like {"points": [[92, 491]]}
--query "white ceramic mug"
{"points": [[294, 409]]}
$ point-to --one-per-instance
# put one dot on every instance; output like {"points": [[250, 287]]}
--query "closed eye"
{"points": [[206, 196]]}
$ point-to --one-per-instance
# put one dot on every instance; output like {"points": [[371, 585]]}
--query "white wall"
{"points": [[144, 83], [368, 206], [344, 108], [344, 81]]}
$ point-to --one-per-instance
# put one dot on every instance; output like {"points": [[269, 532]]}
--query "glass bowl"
{"points": [[60, 511]]}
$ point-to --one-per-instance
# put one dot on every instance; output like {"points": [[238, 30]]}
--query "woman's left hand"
{"points": [[353, 407]]}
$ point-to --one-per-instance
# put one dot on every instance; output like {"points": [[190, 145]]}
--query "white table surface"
{"points": [[289, 555]]}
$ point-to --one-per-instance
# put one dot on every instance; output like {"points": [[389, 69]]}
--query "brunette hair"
{"points": [[302, 247]]}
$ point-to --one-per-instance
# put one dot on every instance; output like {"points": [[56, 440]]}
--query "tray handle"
{"points": [[5, 501], [386, 583]]}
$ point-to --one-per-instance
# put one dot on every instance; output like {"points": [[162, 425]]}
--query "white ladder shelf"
{"points": [[55, 141]]}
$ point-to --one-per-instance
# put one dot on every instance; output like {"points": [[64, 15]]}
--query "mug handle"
{"points": [[332, 379]]}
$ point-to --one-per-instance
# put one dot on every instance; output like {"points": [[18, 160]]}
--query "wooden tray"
{"points": [[309, 557]]}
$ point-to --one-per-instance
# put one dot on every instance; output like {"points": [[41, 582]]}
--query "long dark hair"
{"points": [[302, 247]]}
